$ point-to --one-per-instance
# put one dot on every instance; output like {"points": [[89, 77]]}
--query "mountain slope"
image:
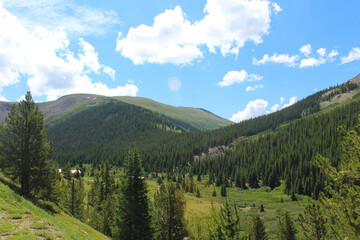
{"points": [[21, 219], [198, 118]]}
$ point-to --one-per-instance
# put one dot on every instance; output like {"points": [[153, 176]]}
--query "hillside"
{"points": [[21, 219], [197, 119]]}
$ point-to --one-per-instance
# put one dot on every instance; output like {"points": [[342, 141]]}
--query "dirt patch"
{"points": [[338, 98]]}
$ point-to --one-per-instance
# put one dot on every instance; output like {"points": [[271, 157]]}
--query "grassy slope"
{"points": [[20, 219], [198, 118]]}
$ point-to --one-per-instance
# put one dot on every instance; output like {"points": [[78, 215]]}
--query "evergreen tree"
{"points": [[223, 191], [169, 209], [197, 193], [285, 227], [225, 224], [343, 199], [313, 222], [75, 202], [257, 229], [133, 218], [214, 192], [25, 147]]}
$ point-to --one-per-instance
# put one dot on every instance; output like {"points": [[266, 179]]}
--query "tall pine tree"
{"points": [[26, 151], [133, 218]]}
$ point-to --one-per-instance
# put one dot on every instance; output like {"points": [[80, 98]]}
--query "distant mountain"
{"points": [[197, 119]]}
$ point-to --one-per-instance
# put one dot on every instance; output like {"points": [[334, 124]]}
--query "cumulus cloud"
{"points": [[75, 19], [332, 55], [282, 99], [109, 71], [233, 77], [296, 61], [275, 107], [321, 52], [277, 58], [353, 55], [253, 109], [310, 62], [253, 88], [3, 99], [306, 50], [276, 7], [227, 25], [292, 100], [43, 57]]}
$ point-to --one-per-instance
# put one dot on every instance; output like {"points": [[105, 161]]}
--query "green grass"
{"points": [[275, 202], [21, 219]]}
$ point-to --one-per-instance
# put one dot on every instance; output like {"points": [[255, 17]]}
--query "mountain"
{"points": [[197, 119], [21, 219]]}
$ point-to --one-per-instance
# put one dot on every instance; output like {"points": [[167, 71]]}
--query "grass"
{"points": [[21, 219], [275, 202]]}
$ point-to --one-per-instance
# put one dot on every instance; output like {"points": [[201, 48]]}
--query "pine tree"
{"points": [[169, 209], [223, 191], [75, 202], [257, 229], [313, 222], [343, 205], [285, 227], [197, 193], [25, 147], [133, 218], [225, 223], [214, 192]]}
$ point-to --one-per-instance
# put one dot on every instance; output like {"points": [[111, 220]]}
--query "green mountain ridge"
{"points": [[197, 119]]}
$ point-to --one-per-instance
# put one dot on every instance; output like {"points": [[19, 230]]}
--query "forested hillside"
{"points": [[105, 132]]}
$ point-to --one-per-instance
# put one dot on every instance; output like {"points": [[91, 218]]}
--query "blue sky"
{"points": [[235, 58]]}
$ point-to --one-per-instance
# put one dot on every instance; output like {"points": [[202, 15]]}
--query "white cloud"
{"points": [[76, 19], [292, 100], [282, 99], [253, 109], [277, 58], [233, 77], [109, 71], [2, 99], [354, 55], [174, 84], [321, 52], [89, 56], [332, 55], [276, 7], [275, 108], [249, 88], [227, 25], [44, 58], [310, 62], [306, 50]]}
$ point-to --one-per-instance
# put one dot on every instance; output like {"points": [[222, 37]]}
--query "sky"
{"points": [[236, 58]]}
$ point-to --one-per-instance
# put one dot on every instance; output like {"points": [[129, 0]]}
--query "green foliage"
{"points": [[313, 222], [168, 213], [257, 229], [342, 197], [133, 218], [26, 150], [286, 228], [225, 224]]}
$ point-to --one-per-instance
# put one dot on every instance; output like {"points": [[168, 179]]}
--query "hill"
{"points": [[197, 119], [21, 219]]}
